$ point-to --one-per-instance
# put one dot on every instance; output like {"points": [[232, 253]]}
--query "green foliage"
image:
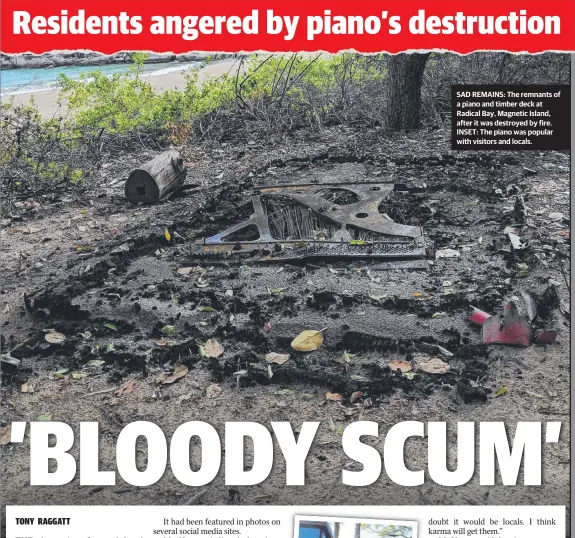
{"points": [[125, 103], [36, 149]]}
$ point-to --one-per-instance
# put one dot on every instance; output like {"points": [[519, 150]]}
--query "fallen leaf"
{"points": [[212, 349], [268, 327], [277, 358], [167, 235], [207, 309], [332, 425], [61, 374], [96, 362], [111, 326], [355, 396], [409, 375], [54, 337], [47, 417], [438, 315], [308, 340], [348, 357], [26, 388], [522, 270], [164, 342], [333, 397], [168, 330], [126, 388], [79, 375], [5, 435], [270, 371], [501, 392], [378, 297], [213, 391], [187, 270], [85, 248], [180, 371], [421, 296], [277, 291], [333, 271], [535, 394], [285, 392], [402, 366], [434, 366]]}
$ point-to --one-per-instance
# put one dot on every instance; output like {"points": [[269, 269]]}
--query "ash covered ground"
{"points": [[104, 274]]}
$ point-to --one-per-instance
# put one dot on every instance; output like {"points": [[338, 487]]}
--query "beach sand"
{"points": [[47, 100]]}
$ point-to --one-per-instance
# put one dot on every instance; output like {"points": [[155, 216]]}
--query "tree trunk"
{"points": [[357, 531], [404, 91], [156, 179]]}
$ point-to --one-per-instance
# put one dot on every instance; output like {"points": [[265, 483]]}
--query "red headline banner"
{"points": [[179, 26]]}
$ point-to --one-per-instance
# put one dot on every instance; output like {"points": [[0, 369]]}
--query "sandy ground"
{"points": [[47, 100]]}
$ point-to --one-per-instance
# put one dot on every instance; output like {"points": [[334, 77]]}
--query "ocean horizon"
{"points": [[18, 81]]}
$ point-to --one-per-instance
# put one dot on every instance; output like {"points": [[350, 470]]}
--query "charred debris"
{"points": [[411, 284]]}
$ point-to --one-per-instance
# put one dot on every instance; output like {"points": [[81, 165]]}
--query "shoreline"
{"points": [[46, 100], [71, 58]]}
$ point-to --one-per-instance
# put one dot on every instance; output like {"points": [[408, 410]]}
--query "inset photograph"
{"points": [[329, 527]]}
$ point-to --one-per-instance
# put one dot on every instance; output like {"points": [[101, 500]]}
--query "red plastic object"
{"points": [[478, 317], [510, 330], [546, 337]]}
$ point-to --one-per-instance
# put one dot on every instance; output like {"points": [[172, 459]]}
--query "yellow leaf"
{"points": [[308, 340], [333, 397], [167, 235], [402, 366]]}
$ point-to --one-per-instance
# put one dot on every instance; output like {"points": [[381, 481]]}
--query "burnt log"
{"points": [[156, 179]]}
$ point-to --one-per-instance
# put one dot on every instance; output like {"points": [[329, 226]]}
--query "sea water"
{"points": [[13, 81]]}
